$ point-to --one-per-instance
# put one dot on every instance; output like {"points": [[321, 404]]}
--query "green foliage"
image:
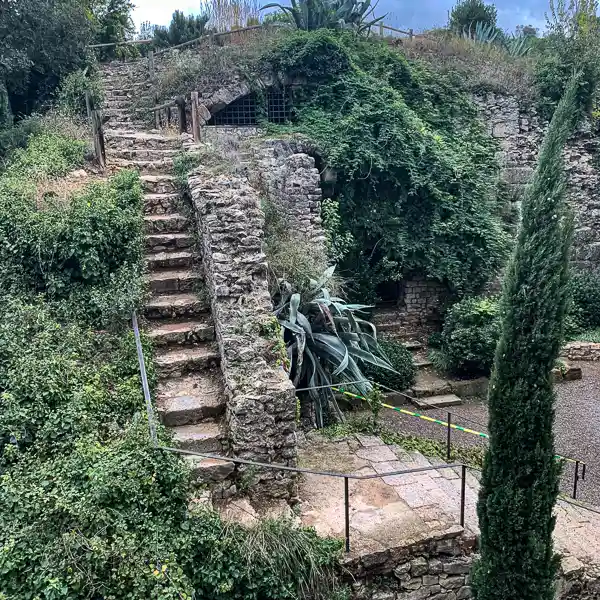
{"points": [[339, 242], [183, 164], [572, 43], [413, 162], [469, 337], [520, 475], [181, 29], [71, 94], [87, 252], [327, 343], [400, 359], [467, 13], [584, 291], [112, 23], [309, 15], [41, 41], [290, 255]]}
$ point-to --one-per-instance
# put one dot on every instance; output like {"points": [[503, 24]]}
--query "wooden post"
{"points": [[410, 34], [168, 115], [195, 121], [89, 104], [151, 64], [180, 101], [156, 112], [99, 147], [381, 30]]}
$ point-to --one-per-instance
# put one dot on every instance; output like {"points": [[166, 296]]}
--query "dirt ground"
{"points": [[577, 428]]}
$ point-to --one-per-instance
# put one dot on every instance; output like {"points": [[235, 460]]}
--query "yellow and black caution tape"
{"points": [[437, 421]]}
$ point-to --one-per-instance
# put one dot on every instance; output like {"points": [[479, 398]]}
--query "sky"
{"points": [[418, 15]]}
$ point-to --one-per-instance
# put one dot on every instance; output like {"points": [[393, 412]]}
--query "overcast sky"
{"points": [[418, 15]]}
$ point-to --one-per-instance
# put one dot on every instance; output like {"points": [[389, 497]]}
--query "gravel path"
{"points": [[577, 428]]}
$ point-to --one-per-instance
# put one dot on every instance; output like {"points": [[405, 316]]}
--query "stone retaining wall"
{"points": [[581, 351], [261, 404], [441, 570]]}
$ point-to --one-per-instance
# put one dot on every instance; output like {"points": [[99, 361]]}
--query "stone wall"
{"points": [[261, 404], [287, 175], [581, 351], [519, 133], [441, 570]]}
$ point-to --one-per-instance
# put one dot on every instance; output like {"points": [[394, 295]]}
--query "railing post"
{"points": [[151, 64], [156, 112], [89, 104], [98, 133], [576, 480], [463, 489], [449, 437], [410, 34], [195, 121], [347, 512], [182, 116], [381, 31]]}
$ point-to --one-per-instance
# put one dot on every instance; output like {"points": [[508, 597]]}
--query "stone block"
{"points": [[457, 567], [430, 580], [464, 593], [401, 570], [419, 566]]}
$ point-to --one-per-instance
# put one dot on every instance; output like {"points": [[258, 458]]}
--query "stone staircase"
{"points": [[190, 395]]}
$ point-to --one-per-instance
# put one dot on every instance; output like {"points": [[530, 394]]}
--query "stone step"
{"points": [[144, 153], [149, 167], [191, 399], [423, 364], [174, 306], [114, 93], [159, 184], [161, 204], [161, 242], [118, 102], [440, 401], [162, 282], [138, 139], [202, 437], [182, 333], [169, 223], [170, 260], [182, 361], [413, 346], [209, 470]]}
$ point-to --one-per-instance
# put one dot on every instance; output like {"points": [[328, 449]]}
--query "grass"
{"points": [[470, 455], [482, 67], [591, 335]]}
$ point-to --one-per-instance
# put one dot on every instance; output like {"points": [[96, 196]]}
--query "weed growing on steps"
{"points": [[470, 455]]}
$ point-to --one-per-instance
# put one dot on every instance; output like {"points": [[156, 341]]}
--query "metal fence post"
{"points": [[463, 489], [347, 513], [449, 436], [576, 481]]}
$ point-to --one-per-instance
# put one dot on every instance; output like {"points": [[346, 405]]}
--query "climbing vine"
{"points": [[416, 172]]}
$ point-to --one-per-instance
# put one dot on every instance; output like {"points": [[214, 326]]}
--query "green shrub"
{"points": [[401, 360], [71, 94], [413, 162], [469, 337], [584, 291], [466, 13]]}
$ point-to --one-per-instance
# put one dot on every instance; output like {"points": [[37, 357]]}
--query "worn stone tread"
{"points": [[173, 281], [169, 223], [439, 401], [210, 469], [170, 260], [179, 332], [157, 241], [175, 306], [182, 361], [191, 399], [200, 437]]}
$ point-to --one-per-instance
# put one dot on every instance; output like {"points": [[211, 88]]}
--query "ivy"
{"points": [[416, 172]]}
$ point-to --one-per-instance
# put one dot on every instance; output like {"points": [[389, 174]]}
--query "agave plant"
{"points": [[327, 342], [333, 14], [484, 33], [518, 45]]}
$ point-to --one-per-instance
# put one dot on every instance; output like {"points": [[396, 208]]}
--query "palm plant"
{"points": [[333, 14], [326, 343]]}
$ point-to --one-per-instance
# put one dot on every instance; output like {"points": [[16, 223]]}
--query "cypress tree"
{"points": [[520, 475]]}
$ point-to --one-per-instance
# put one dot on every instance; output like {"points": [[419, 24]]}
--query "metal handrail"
{"points": [[345, 476]]}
